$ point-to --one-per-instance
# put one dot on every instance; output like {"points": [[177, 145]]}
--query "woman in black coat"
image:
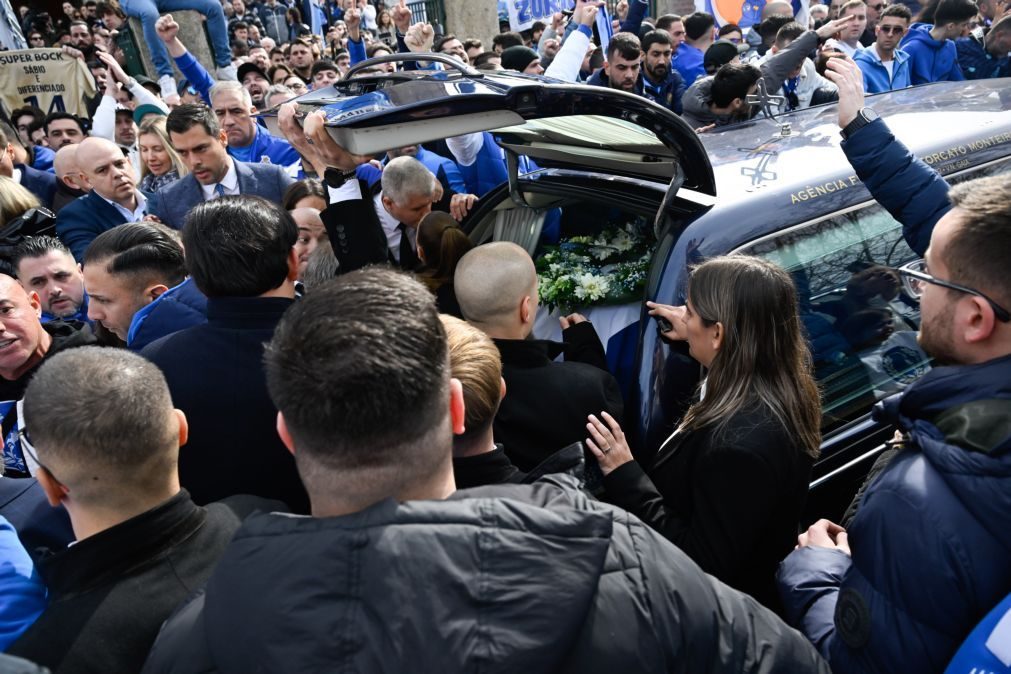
{"points": [[729, 485]]}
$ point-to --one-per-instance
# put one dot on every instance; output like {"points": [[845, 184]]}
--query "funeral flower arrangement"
{"points": [[587, 271]]}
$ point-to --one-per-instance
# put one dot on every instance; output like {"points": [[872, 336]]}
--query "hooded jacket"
{"points": [[876, 77], [946, 498], [471, 583], [930, 60], [695, 106]]}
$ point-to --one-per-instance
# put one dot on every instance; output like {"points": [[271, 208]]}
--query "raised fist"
{"points": [[419, 37], [167, 28], [402, 16]]}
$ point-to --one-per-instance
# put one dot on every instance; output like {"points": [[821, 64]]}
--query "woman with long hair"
{"points": [[441, 244], [729, 485], [385, 30], [160, 164]]}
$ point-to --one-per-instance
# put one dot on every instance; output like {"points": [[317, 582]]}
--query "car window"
{"points": [[860, 325]]}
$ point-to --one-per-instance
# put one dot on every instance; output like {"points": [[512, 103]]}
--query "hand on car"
{"points": [[674, 315], [607, 443], [849, 80], [460, 205], [312, 140], [825, 534]]}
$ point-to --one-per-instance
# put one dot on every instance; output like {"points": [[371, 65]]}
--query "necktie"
{"points": [[219, 189], [408, 258]]}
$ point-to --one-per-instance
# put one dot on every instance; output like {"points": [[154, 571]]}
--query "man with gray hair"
{"points": [[496, 285], [100, 426], [383, 227], [247, 140]]}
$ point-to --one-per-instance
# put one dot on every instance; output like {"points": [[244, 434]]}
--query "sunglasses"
{"points": [[915, 278], [878, 7], [892, 30]]}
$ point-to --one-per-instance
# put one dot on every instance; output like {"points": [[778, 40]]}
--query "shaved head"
{"points": [[777, 8], [491, 282], [92, 147], [68, 171]]}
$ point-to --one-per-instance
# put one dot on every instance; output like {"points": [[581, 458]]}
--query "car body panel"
{"points": [[373, 114]]}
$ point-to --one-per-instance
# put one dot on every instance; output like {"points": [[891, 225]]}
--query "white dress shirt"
{"points": [[137, 214], [352, 190]]}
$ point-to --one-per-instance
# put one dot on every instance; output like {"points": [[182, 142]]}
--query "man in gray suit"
{"points": [[203, 146]]}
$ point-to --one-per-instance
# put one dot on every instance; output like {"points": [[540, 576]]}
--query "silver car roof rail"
{"points": [[400, 58]]}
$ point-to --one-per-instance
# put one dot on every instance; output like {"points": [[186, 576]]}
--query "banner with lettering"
{"points": [[46, 78], [523, 13]]}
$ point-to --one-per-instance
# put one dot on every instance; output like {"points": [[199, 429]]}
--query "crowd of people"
{"points": [[266, 407]]}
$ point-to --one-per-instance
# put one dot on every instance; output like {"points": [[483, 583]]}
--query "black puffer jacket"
{"points": [[511, 578]]}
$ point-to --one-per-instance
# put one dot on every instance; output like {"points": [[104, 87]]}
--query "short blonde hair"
{"points": [[475, 361], [155, 126]]}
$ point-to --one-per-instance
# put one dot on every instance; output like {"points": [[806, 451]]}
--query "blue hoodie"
{"points": [[876, 78], [930, 60]]}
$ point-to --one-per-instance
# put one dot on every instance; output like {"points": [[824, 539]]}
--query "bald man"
{"points": [[547, 402], [114, 198], [24, 343], [70, 182]]}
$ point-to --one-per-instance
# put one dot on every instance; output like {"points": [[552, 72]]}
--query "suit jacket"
{"points": [[215, 374], [40, 183], [173, 202], [80, 222], [357, 235], [547, 402]]}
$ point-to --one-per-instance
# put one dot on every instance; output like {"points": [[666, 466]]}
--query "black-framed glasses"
{"points": [[28, 448], [914, 276], [889, 30]]}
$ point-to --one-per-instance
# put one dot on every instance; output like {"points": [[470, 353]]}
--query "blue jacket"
{"points": [[24, 597], [876, 79], [910, 190], [689, 62], [81, 221], [930, 60], [43, 158], [668, 93], [488, 170], [979, 652], [172, 202], [977, 63], [930, 539], [40, 183], [178, 308], [443, 168], [196, 75], [266, 149]]}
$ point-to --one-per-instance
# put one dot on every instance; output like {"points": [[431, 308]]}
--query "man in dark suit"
{"points": [[106, 436], [547, 402], [203, 146], [114, 198], [240, 253], [40, 183]]}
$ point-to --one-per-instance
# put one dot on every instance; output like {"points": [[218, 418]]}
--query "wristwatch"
{"points": [[334, 177], [864, 117]]}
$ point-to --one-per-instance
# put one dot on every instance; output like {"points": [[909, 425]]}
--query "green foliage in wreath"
{"points": [[588, 271]]}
